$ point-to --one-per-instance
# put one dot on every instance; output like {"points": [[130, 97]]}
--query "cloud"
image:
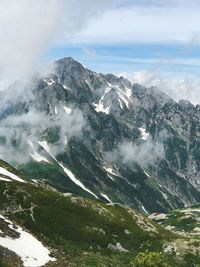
{"points": [[187, 88], [89, 53], [16, 132], [145, 153], [29, 28], [144, 22], [26, 31]]}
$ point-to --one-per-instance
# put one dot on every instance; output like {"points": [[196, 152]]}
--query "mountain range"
{"points": [[97, 149], [134, 145]]}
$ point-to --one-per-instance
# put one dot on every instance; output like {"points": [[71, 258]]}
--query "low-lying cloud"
{"points": [[17, 132], [177, 89], [144, 153]]}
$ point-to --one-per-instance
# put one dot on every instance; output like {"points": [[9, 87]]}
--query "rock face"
{"points": [[124, 143]]}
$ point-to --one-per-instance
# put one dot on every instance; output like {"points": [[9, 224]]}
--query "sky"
{"points": [[136, 35], [153, 42]]}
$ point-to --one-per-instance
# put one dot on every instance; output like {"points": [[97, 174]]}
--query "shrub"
{"points": [[149, 259]]}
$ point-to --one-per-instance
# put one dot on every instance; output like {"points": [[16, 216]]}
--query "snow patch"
{"points": [[110, 170], [67, 171], [144, 210], [89, 85], [122, 98], [100, 106], [82, 64], [11, 175], [5, 179], [37, 157], [65, 140], [44, 145], [143, 133], [124, 95], [128, 92], [67, 110], [31, 250], [120, 103], [106, 197], [147, 174], [64, 86], [110, 177], [75, 180], [50, 82]]}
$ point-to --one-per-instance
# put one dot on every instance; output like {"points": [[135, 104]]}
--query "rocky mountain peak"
{"points": [[69, 67], [186, 104], [120, 119]]}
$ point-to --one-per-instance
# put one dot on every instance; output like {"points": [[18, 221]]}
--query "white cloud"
{"points": [[148, 153], [89, 53], [29, 28], [136, 22], [187, 88], [26, 30], [145, 154], [16, 131]]}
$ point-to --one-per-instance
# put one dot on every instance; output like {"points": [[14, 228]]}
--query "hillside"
{"points": [[77, 231]]}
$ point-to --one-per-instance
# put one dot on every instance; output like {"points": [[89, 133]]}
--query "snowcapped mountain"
{"points": [[102, 137], [96, 147]]}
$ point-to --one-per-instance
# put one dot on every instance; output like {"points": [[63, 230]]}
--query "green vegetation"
{"points": [[149, 259], [90, 232], [83, 228], [183, 220]]}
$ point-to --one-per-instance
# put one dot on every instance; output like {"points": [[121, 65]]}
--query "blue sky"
{"points": [[137, 35], [167, 58]]}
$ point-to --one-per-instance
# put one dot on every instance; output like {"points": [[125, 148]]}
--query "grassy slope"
{"points": [[82, 228], [186, 220]]}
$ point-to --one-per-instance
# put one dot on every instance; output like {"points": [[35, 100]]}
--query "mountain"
{"points": [[43, 227], [184, 221], [99, 136]]}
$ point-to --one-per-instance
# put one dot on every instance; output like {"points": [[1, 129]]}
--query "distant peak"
{"points": [[185, 103], [67, 60]]}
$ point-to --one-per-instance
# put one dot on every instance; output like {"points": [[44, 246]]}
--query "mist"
{"points": [[144, 153], [28, 30], [176, 88], [18, 132]]}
